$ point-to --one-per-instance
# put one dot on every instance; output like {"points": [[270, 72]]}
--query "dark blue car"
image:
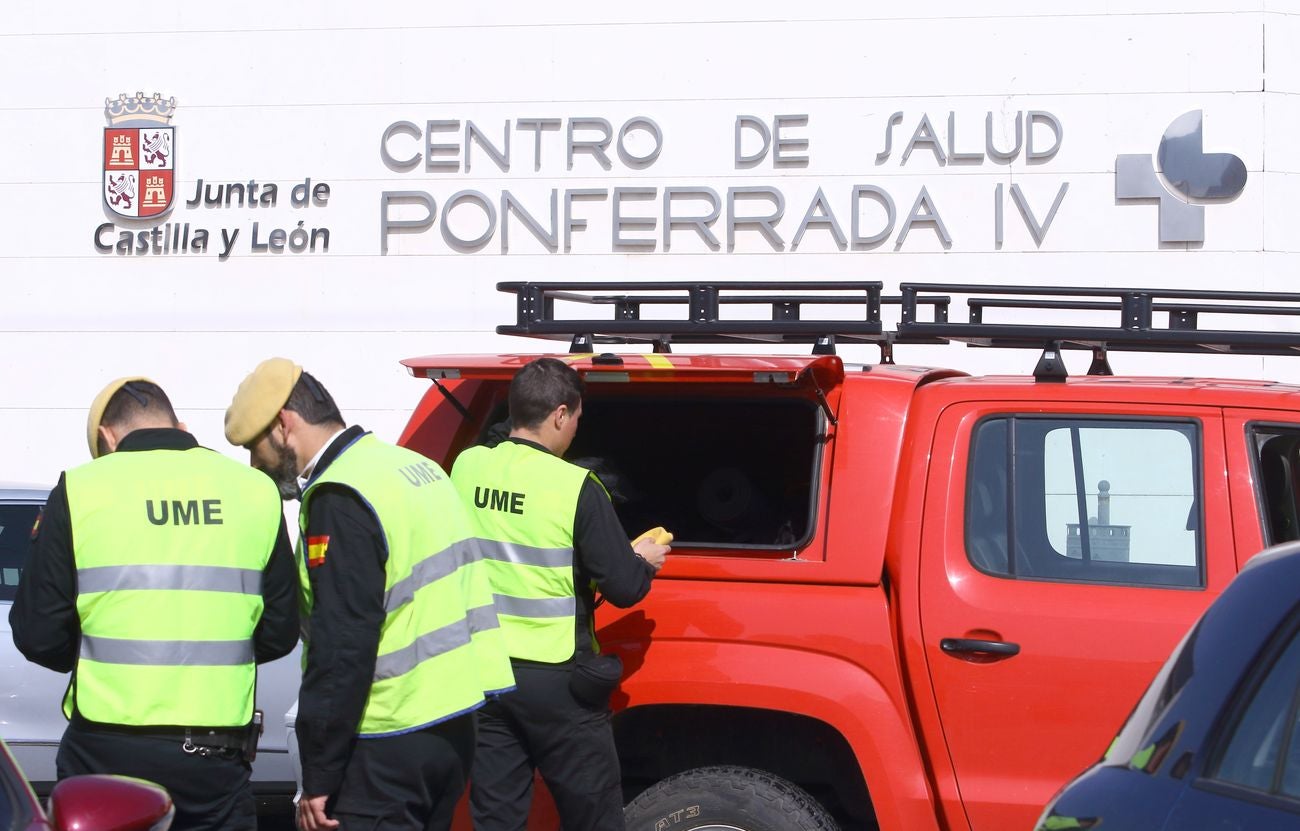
{"points": [[1215, 741]]}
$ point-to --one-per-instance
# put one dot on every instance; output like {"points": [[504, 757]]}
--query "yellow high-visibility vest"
{"points": [[523, 501], [170, 546], [440, 649]]}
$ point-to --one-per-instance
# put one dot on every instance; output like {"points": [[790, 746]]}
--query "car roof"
{"points": [[22, 492], [1270, 556]]}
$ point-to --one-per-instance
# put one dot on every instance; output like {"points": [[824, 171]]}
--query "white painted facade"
{"points": [[281, 92]]}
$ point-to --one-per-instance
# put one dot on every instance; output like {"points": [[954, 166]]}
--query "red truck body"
{"points": [[886, 662]]}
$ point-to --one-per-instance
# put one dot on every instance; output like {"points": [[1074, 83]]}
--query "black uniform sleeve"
{"points": [[603, 551], [343, 633], [44, 619], [277, 631]]}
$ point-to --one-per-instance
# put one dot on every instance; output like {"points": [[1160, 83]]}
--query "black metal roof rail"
{"points": [[1146, 320], [701, 318]]}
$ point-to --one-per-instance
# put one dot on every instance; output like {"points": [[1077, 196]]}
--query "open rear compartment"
{"points": [[727, 468], [722, 471]]}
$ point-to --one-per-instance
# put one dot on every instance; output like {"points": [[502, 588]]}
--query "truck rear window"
{"points": [[1088, 499]]}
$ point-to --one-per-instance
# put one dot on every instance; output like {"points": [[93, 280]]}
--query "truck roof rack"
{"points": [[700, 318], [1147, 320], [1097, 319]]}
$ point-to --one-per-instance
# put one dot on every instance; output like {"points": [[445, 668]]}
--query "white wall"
{"points": [[278, 92]]}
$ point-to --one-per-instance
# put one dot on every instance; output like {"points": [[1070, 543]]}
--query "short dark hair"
{"points": [[135, 399], [313, 402], [540, 387]]}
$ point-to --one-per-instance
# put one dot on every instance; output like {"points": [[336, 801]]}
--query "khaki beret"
{"points": [[97, 410], [260, 398]]}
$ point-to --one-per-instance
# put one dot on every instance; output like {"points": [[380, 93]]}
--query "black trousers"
{"points": [[209, 792], [540, 726], [408, 782]]}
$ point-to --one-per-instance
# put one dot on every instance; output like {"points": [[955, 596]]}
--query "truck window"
{"points": [[1277, 463], [718, 472], [15, 534], [1086, 499]]}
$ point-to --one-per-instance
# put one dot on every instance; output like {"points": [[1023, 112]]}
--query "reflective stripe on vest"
{"points": [[526, 555], [438, 642], [184, 578], [169, 546], [429, 570], [523, 501], [440, 647], [535, 607], [167, 653]]}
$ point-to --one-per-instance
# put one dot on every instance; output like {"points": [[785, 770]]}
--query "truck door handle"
{"points": [[954, 646]]}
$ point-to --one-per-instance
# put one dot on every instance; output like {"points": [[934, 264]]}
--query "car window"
{"points": [[1262, 749], [1086, 499], [15, 536]]}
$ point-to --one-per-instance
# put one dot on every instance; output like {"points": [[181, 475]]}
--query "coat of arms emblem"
{"points": [[139, 156]]}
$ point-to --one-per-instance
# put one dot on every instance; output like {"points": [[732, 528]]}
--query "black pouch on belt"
{"points": [[594, 677], [251, 734]]}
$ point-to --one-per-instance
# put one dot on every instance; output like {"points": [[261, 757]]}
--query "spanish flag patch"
{"points": [[316, 547]]}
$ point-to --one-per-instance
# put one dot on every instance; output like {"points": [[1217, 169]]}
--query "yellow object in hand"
{"points": [[658, 534]]}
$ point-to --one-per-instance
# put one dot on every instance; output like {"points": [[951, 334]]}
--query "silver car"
{"points": [[31, 715]]}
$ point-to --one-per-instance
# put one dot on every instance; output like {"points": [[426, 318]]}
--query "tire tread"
{"points": [[794, 807]]}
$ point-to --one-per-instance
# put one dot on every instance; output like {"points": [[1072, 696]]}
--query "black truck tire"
{"points": [[726, 799]]}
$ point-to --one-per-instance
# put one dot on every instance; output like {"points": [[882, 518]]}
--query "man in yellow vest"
{"points": [[160, 575], [549, 534], [402, 640]]}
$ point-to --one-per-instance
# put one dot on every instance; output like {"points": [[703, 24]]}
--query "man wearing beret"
{"points": [[402, 640], [160, 574]]}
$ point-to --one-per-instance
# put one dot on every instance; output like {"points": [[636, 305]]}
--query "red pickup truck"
{"points": [[899, 597]]}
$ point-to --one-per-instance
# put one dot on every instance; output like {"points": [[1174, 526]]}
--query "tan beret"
{"points": [[260, 398], [97, 410]]}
